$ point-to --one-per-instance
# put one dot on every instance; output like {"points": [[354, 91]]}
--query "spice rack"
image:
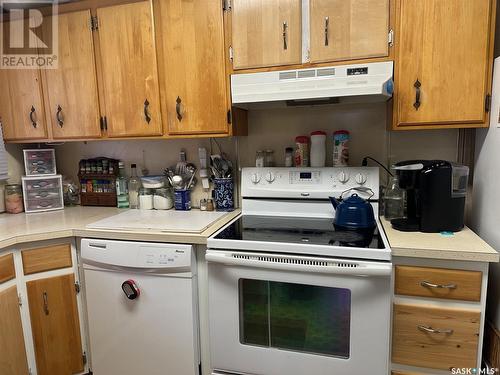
{"points": [[98, 182]]}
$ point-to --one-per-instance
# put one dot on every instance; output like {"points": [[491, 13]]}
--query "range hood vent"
{"points": [[367, 82]]}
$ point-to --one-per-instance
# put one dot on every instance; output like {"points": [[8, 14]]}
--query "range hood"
{"points": [[324, 85]]}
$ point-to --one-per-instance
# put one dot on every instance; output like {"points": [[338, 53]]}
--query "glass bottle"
{"points": [[134, 184], [121, 187], [394, 200]]}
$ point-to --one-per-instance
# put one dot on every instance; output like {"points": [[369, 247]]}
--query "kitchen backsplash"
{"points": [[273, 129]]}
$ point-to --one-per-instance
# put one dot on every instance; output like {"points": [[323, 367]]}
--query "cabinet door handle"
{"points": [[45, 303], [59, 116], [32, 117], [327, 25], [178, 108], [285, 32], [417, 86], [427, 329], [427, 284], [147, 116]]}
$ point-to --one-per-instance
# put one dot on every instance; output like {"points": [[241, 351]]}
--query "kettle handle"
{"points": [[361, 189]]}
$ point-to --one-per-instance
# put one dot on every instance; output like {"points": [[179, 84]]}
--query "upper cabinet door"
{"points": [[73, 104], [192, 69], [348, 29], [266, 33], [129, 70], [442, 62], [21, 104]]}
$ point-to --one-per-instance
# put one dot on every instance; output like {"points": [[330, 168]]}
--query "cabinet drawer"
{"points": [[7, 270], [438, 283], [46, 258], [434, 337]]}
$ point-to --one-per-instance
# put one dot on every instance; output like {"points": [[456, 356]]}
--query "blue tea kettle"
{"points": [[353, 213]]}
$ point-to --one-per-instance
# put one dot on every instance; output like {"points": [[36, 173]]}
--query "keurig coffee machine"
{"points": [[435, 195]]}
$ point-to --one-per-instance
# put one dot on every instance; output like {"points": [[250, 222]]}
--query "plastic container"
{"points": [[153, 182], [289, 157], [162, 199], [269, 158], [260, 159], [40, 162], [43, 193], [341, 148], [224, 194], [394, 200], [145, 199], [318, 149], [301, 151]]}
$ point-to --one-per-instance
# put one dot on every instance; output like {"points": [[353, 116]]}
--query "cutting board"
{"points": [[161, 221]]}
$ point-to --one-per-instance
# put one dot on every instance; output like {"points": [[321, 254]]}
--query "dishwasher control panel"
{"points": [[139, 255]]}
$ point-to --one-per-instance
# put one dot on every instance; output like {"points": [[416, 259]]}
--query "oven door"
{"points": [[273, 314]]}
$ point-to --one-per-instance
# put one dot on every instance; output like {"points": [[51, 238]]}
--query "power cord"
{"points": [[364, 163]]}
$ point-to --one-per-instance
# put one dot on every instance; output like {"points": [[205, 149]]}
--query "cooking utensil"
{"points": [[181, 165], [177, 182]]}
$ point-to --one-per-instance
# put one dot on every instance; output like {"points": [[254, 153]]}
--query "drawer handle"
{"points": [[427, 284], [434, 330], [45, 303]]}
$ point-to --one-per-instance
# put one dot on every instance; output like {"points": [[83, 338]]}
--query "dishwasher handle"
{"points": [[300, 264]]}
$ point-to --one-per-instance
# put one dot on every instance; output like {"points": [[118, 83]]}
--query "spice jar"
{"points": [[14, 199], [259, 159], [269, 158], [289, 157], [302, 151]]}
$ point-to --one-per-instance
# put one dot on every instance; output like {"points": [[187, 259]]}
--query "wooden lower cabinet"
{"points": [[55, 325], [13, 359], [435, 337]]}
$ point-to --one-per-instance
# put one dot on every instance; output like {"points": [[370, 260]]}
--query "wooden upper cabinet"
{"points": [[13, 359], [348, 29], [21, 104], [72, 98], [190, 41], [55, 325], [443, 62], [266, 33], [129, 70]]}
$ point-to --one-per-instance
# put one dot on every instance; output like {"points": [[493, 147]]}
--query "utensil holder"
{"points": [[224, 194], [182, 200]]}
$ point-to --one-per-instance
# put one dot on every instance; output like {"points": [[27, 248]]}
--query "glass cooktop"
{"points": [[298, 230]]}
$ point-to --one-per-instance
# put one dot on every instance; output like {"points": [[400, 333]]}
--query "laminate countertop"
{"points": [[464, 245], [73, 221]]}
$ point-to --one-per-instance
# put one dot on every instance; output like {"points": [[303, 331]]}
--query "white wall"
{"points": [[486, 198]]}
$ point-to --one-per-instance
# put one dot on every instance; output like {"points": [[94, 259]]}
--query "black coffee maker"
{"points": [[435, 195]]}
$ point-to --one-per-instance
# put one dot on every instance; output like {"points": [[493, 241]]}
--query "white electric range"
{"points": [[289, 294]]}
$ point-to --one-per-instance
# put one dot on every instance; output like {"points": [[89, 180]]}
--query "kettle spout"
{"points": [[334, 201]]}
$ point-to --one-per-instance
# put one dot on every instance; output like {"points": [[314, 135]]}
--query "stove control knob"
{"points": [[361, 179], [270, 177], [255, 178], [343, 177]]}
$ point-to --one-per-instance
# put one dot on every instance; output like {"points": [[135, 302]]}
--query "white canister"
{"points": [[318, 149]]}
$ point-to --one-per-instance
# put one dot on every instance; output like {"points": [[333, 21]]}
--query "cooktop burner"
{"points": [[305, 230]]}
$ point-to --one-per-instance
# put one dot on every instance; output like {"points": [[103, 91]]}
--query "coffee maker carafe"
{"points": [[435, 195]]}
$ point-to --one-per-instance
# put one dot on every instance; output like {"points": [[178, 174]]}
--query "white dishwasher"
{"points": [[142, 307]]}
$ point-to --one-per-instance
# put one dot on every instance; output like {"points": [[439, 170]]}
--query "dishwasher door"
{"points": [[157, 332]]}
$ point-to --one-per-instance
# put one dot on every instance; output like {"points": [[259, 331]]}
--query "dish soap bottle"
{"points": [[121, 187], [134, 183], [394, 200]]}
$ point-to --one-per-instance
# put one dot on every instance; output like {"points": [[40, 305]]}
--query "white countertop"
{"points": [[464, 245], [73, 221]]}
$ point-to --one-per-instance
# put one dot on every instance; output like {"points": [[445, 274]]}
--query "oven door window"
{"points": [[305, 318]]}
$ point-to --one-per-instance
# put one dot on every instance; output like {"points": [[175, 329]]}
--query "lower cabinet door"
{"points": [[55, 325], [12, 350], [435, 337]]}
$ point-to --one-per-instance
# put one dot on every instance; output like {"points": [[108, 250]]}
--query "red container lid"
{"points": [[341, 132], [302, 139], [318, 132]]}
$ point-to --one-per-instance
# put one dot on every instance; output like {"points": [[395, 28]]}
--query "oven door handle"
{"points": [[337, 267]]}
